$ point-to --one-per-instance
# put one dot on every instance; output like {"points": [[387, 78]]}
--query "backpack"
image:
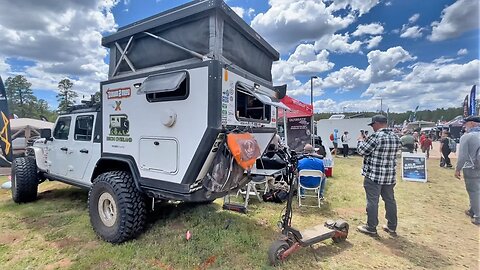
{"points": [[331, 137], [452, 144], [343, 138], [276, 196]]}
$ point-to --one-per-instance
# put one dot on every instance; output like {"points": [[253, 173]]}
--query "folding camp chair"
{"points": [[313, 173]]}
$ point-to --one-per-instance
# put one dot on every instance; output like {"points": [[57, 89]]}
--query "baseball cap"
{"points": [[378, 119], [472, 118]]}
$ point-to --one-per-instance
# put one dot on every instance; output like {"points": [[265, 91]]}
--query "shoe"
{"points": [[388, 230], [366, 230], [469, 213], [476, 222], [322, 198]]}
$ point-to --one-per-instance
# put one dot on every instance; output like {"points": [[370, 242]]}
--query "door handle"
{"points": [[84, 151], [64, 149]]}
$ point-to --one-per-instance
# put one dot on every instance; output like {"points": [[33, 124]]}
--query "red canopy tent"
{"points": [[298, 108]]}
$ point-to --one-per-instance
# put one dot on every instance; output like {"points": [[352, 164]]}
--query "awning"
{"points": [[297, 108], [263, 98]]}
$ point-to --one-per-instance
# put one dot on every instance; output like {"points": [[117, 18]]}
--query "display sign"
{"points": [[298, 132], [414, 167]]}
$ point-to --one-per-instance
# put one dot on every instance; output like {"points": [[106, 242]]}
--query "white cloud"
{"points": [[368, 29], [63, 39], [250, 12], [462, 52], [414, 18], [373, 42], [445, 73], [305, 61], [389, 3], [239, 10], [4, 68], [346, 78], [460, 17], [338, 43], [411, 32], [289, 22], [383, 63]]}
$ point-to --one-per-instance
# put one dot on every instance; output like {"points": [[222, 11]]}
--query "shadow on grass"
{"points": [[418, 254], [327, 251]]}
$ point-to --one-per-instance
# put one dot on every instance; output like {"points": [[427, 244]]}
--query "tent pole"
{"points": [[285, 127]]}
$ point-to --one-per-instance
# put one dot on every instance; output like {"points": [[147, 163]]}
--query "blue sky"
{"points": [[406, 53]]}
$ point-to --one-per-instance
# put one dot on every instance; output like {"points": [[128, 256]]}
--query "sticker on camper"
{"points": [[119, 128], [119, 93]]}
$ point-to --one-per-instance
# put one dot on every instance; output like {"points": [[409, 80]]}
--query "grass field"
{"points": [[434, 233]]}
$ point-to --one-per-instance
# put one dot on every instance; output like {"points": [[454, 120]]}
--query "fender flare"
{"points": [[117, 162]]}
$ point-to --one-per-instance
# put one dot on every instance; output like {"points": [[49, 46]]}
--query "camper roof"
{"points": [[193, 31]]}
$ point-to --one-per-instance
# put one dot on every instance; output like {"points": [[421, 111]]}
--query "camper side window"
{"points": [[62, 128], [251, 108], [83, 128], [166, 87]]}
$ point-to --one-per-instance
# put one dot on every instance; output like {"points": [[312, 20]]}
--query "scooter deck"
{"points": [[316, 234]]}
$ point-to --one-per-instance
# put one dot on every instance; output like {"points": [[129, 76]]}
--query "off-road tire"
{"points": [[129, 204], [276, 250], [24, 180]]}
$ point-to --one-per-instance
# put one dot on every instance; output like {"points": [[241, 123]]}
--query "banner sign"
{"points": [[5, 136], [473, 101], [466, 109], [298, 132], [414, 167]]}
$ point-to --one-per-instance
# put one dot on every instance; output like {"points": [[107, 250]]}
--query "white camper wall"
{"points": [[167, 150]]}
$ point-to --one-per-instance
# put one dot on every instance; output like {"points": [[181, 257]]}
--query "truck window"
{"points": [[166, 87], [62, 128], [249, 107], [83, 128]]}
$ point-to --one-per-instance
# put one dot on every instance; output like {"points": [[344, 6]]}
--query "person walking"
{"points": [[345, 139], [445, 150], [334, 139], [379, 151], [469, 161], [426, 145]]}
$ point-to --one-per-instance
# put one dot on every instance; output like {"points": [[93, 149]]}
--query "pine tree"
{"points": [[66, 96], [19, 95]]}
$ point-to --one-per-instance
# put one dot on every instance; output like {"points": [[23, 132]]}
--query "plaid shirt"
{"points": [[380, 156]]}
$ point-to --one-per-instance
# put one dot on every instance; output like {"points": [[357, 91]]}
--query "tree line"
{"points": [[23, 103]]}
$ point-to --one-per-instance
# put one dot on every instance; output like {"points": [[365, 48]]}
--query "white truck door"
{"points": [[58, 148], [81, 147]]}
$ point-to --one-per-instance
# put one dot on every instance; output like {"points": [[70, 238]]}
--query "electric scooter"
{"points": [[292, 239]]}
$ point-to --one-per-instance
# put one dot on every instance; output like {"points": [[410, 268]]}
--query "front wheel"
{"points": [[276, 250], [24, 180], [117, 209], [342, 226]]}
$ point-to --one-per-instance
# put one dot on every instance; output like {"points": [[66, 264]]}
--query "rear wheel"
{"points": [[343, 227], [276, 251], [24, 180], [117, 209]]}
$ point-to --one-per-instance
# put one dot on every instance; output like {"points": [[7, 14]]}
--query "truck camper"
{"points": [[180, 83]]}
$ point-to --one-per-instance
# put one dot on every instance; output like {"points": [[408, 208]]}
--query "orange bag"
{"points": [[244, 149]]}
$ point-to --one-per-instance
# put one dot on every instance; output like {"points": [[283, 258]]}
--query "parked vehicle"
{"points": [[179, 82]]}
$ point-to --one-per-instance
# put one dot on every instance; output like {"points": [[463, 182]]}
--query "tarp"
{"points": [[298, 108], [23, 123]]}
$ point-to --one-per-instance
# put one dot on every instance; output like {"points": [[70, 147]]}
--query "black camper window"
{"points": [[165, 87], [250, 108], [62, 128], [83, 128]]}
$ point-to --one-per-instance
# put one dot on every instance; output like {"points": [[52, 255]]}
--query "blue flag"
{"points": [[473, 101]]}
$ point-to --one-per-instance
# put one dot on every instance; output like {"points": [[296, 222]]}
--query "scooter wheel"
{"points": [[276, 251], [341, 238]]}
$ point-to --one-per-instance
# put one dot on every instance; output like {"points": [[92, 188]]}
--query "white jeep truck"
{"points": [[178, 83]]}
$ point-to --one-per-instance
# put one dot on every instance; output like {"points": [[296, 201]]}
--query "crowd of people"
{"points": [[379, 151]]}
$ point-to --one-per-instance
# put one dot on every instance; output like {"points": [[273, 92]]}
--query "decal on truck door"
{"points": [[119, 128]]}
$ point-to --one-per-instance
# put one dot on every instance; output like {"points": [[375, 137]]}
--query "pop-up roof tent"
{"points": [[191, 33]]}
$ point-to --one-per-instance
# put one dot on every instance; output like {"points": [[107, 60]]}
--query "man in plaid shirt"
{"points": [[379, 168]]}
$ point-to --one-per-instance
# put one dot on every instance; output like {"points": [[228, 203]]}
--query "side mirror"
{"points": [[46, 133]]}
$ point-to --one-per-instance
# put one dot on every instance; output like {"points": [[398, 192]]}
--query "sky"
{"points": [[398, 54]]}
